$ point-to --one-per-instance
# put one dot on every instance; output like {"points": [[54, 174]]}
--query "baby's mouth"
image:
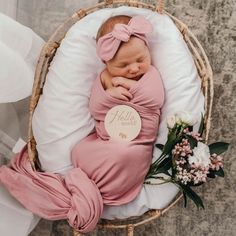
{"points": [[137, 77]]}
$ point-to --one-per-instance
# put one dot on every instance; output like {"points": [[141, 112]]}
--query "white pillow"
{"points": [[20, 48], [62, 118]]}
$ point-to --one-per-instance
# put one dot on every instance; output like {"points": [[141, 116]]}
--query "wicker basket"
{"points": [[47, 54]]}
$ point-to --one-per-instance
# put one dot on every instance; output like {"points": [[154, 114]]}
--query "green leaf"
{"points": [[192, 141], [220, 172], [201, 127], [160, 146], [164, 166], [185, 199], [211, 174], [170, 143], [150, 172], [195, 185], [218, 147], [193, 196]]}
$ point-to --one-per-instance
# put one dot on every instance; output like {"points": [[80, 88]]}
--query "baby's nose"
{"points": [[134, 68]]}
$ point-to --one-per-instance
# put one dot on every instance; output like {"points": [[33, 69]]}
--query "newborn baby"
{"points": [[119, 168]]}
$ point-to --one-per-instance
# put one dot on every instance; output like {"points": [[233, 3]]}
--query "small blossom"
{"points": [[199, 177], [196, 136], [216, 162], [183, 176], [171, 121], [186, 131], [186, 117], [183, 149]]}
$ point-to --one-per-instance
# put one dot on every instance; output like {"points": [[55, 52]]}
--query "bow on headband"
{"points": [[108, 45]]}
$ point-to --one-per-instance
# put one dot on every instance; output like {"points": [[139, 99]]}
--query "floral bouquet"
{"points": [[185, 159]]}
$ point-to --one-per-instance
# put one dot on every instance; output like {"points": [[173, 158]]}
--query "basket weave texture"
{"points": [[47, 54]]}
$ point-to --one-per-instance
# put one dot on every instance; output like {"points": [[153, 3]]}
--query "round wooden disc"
{"points": [[122, 122]]}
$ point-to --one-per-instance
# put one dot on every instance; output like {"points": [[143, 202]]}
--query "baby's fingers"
{"points": [[116, 81], [124, 98], [119, 81], [127, 93]]}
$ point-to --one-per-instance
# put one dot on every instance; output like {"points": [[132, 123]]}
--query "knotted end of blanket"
{"points": [[73, 197]]}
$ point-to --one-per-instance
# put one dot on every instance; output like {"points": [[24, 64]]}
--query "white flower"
{"points": [[201, 155], [186, 117], [171, 121]]}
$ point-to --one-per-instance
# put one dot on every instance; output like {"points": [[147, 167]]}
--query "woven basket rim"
{"points": [[49, 50]]}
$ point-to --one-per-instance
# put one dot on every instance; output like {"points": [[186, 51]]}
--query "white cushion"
{"points": [[62, 117], [20, 48]]}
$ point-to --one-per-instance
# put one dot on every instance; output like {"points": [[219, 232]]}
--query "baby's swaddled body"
{"points": [[117, 167]]}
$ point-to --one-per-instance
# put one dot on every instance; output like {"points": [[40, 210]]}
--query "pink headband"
{"points": [[108, 44]]}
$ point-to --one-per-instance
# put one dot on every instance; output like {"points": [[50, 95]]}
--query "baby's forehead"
{"points": [[134, 43], [128, 53]]}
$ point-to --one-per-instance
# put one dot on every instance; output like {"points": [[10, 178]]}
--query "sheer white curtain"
{"points": [[8, 7], [17, 41]]}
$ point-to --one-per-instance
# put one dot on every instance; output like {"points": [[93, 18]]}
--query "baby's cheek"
{"points": [[119, 72], [145, 67], [122, 73]]}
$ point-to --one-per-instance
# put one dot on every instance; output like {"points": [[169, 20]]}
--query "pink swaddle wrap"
{"points": [[106, 171], [119, 168]]}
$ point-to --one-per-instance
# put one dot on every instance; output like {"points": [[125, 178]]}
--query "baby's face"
{"points": [[131, 61]]}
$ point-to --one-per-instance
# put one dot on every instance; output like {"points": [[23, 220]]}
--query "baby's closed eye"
{"points": [[141, 59]]}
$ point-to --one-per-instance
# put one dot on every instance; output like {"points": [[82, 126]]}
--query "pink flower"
{"points": [[199, 177], [183, 149], [183, 176], [216, 162]]}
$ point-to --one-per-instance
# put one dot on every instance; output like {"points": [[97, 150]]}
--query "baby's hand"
{"points": [[120, 93], [124, 82]]}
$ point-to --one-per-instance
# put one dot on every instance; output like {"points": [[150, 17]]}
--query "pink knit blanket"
{"points": [[105, 171]]}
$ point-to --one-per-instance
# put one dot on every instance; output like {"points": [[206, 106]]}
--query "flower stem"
{"points": [[164, 181], [159, 160]]}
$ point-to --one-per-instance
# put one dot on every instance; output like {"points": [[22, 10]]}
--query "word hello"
{"points": [[123, 117]]}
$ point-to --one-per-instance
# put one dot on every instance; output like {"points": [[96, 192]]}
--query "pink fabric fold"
{"points": [[75, 197], [108, 45]]}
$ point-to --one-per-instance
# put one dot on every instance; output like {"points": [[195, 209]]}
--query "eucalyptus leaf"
{"points": [[218, 147]]}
